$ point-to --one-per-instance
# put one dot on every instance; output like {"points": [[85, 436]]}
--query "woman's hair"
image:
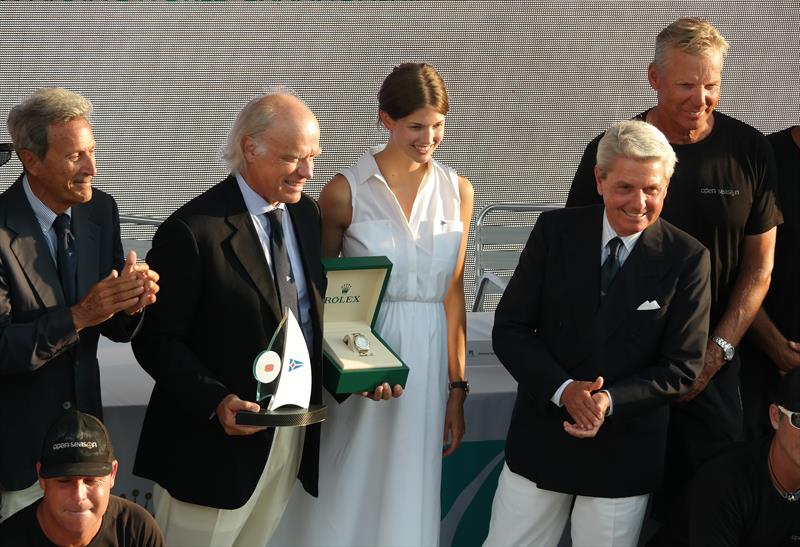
{"points": [[412, 86]]}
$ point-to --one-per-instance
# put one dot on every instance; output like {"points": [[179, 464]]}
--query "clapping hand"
{"points": [[149, 280], [130, 290]]}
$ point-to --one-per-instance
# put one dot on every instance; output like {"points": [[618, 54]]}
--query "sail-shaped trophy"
{"points": [[283, 375]]}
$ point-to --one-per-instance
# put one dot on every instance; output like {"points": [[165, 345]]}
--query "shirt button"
{"points": [[66, 405]]}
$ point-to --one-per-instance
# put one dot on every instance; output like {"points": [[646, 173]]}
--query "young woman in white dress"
{"points": [[380, 462]]}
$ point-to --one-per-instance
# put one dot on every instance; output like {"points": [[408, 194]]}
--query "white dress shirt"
{"points": [[258, 207], [44, 216]]}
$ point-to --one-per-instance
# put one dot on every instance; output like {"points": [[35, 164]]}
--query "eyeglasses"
{"points": [[794, 417]]}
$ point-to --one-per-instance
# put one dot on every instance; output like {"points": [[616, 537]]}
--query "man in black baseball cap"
{"points": [[750, 495], [76, 472]]}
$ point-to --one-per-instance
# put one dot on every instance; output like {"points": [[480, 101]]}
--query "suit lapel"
{"points": [[634, 283], [32, 250], [307, 241], [88, 248], [304, 238], [247, 247], [582, 256]]}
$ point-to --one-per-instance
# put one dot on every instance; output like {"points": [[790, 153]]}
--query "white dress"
{"points": [[380, 462]]}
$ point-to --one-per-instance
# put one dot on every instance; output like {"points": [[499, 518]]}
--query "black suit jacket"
{"points": [[551, 326], [217, 309], [45, 366]]}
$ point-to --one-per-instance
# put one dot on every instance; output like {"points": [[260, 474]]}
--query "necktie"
{"points": [[284, 279], [65, 257], [610, 266]]}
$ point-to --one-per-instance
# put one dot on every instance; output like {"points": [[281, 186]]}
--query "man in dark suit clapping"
{"points": [[604, 321], [63, 282]]}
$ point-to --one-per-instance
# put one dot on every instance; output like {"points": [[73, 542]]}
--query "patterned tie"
{"points": [[65, 257], [284, 279], [610, 266]]}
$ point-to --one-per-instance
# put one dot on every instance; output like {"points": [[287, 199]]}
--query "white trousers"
{"points": [[252, 525], [15, 500], [523, 514]]}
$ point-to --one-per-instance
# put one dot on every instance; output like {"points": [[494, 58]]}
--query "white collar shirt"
{"points": [[44, 216], [257, 206], [628, 242]]}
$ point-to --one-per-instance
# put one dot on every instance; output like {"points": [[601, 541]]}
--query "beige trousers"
{"points": [[189, 525]]}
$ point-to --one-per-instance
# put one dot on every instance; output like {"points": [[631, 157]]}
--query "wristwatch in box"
{"points": [[358, 343]]}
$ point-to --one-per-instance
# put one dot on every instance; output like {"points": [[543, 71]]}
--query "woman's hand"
{"points": [[453, 421], [383, 392]]}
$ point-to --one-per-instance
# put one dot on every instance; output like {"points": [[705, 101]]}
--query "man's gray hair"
{"points": [[28, 122], [689, 35], [254, 118], [637, 140]]}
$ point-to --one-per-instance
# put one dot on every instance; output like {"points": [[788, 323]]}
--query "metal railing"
{"points": [[140, 245], [498, 245]]}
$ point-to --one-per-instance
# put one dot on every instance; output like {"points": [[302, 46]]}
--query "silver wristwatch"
{"points": [[727, 348], [358, 343]]}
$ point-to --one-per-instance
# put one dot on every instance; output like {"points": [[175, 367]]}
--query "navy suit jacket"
{"points": [[46, 367], [216, 311], [550, 326]]}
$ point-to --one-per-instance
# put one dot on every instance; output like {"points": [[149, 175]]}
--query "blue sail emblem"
{"points": [[294, 364]]}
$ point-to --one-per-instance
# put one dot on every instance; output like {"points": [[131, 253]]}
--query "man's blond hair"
{"points": [[689, 35]]}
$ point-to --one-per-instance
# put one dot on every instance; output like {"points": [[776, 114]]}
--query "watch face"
{"points": [[360, 342], [728, 353]]}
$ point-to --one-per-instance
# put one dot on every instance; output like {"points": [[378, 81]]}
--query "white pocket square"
{"points": [[648, 305]]}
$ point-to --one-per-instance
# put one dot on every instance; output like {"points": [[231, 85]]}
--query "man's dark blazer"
{"points": [[45, 366], [551, 326], [216, 310]]}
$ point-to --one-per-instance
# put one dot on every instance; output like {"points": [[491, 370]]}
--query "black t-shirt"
{"points": [[783, 300], [125, 524], [723, 189], [734, 504]]}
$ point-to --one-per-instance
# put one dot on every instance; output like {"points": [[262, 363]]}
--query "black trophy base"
{"points": [[291, 416]]}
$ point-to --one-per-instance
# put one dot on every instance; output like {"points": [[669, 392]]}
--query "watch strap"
{"points": [[461, 384]]}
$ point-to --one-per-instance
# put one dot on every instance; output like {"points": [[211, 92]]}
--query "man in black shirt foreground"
{"points": [[749, 496], [76, 473]]}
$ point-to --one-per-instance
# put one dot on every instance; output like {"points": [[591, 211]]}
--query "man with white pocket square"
{"points": [[604, 322]]}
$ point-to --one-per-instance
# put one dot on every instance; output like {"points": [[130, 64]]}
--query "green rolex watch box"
{"points": [[356, 358]]}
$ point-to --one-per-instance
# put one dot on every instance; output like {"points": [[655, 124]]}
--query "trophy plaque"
{"points": [[283, 375]]}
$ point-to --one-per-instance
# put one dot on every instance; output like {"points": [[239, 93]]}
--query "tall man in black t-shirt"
{"points": [[76, 472], [723, 193]]}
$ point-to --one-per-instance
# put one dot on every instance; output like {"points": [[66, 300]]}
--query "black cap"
{"points": [[77, 444], [788, 393]]}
